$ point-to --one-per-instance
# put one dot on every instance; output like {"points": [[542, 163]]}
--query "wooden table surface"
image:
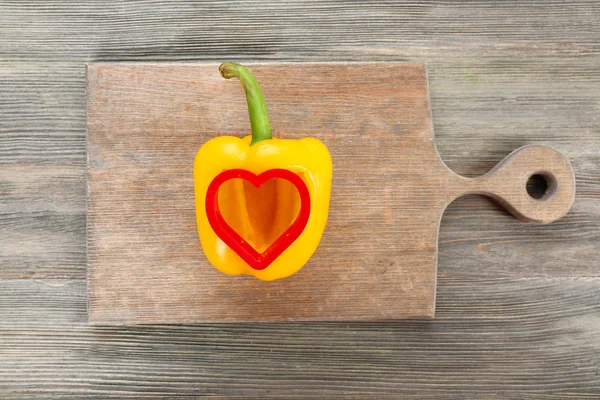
{"points": [[518, 305]]}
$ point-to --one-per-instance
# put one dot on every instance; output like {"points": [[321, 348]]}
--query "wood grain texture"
{"points": [[390, 189], [492, 338], [500, 77], [377, 259], [42, 218]]}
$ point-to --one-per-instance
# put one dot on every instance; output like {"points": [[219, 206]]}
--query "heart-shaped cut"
{"points": [[231, 238]]}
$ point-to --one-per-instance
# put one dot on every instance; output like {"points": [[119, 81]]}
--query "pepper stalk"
{"points": [[257, 107]]}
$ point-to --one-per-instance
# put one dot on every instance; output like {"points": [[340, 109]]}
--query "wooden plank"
{"points": [[42, 220], [42, 112], [504, 338], [183, 30], [145, 124], [477, 239]]}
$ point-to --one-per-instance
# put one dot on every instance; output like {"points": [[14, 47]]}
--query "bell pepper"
{"points": [[261, 202]]}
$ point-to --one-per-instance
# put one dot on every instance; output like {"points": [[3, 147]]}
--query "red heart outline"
{"points": [[231, 238]]}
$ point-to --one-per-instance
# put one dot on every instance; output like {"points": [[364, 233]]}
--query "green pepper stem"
{"points": [[257, 108]]}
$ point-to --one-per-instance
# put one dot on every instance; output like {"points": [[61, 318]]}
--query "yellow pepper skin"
{"points": [[261, 215]]}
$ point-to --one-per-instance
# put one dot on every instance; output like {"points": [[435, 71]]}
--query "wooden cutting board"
{"points": [[378, 256]]}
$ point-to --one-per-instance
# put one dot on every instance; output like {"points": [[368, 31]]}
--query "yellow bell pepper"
{"points": [[261, 203]]}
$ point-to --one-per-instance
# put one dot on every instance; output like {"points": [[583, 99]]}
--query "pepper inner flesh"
{"points": [[259, 215]]}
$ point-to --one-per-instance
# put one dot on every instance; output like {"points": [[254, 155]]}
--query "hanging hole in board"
{"points": [[541, 185]]}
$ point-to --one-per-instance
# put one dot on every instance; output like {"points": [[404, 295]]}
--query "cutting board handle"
{"points": [[507, 183]]}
